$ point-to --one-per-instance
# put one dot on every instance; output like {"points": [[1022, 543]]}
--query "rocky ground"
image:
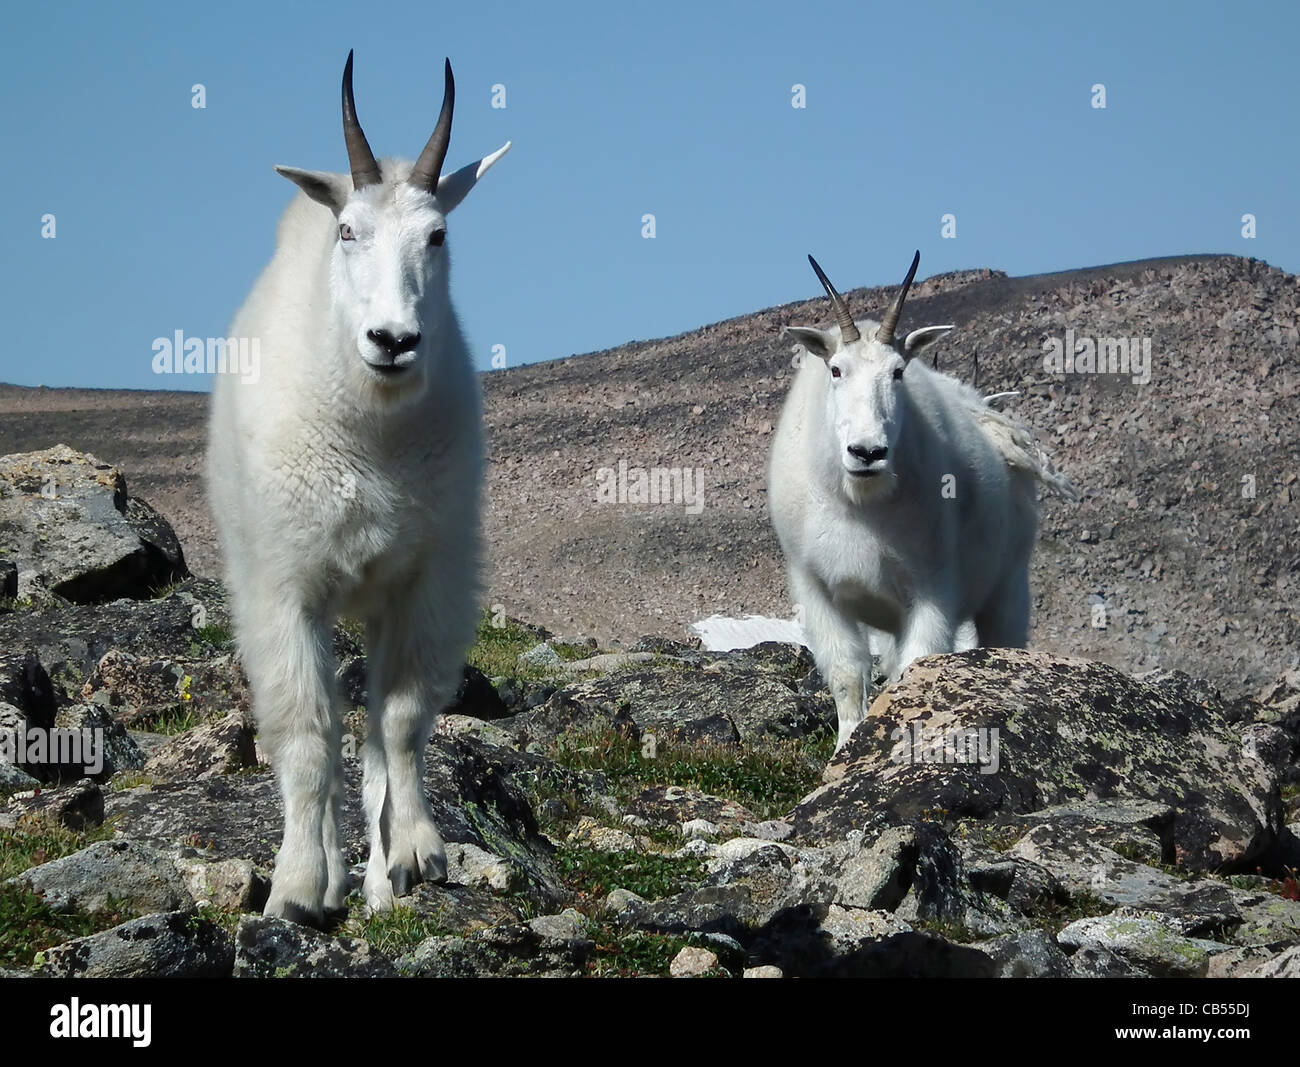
{"points": [[1184, 551], [647, 810]]}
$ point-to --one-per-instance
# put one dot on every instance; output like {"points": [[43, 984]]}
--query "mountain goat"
{"points": [[905, 506], [345, 480]]}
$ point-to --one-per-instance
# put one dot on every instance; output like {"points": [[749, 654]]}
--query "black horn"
{"points": [[885, 335], [428, 168], [848, 328], [365, 171]]}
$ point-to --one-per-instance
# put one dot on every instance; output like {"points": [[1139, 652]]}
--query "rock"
{"points": [[176, 944], [8, 579], [1284, 965], [1027, 954], [477, 697], [470, 865], [1148, 942], [541, 658], [550, 946], [27, 688], [106, 747], [74, 532], [230, 884], [208, 751], [267, 947], [700, 828], [14, 780], [673, 805], [79, 806], [1068, 730], [691, 962], [721, 704], [1265, 918], [765, 971], [879, 877], [107, 876], [588, 833], [1242, 962]]}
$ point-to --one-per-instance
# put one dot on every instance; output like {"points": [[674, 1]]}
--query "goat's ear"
{"points": [[332, 190], [453, 188], [821, 343], [919, 340]]}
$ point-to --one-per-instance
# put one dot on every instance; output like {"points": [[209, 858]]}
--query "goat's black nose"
{"points": [[868, 455], [394, 346]]}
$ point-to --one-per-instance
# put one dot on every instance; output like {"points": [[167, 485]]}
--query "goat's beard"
{"points": [[870, 489]]}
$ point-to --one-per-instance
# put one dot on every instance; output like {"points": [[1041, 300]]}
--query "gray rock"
{"points": [[1068, 730], [550, 946], [1284, 965], [8, 579], [15, 780], [208, 751], [1146, 941], [1266, 918], [692, 962], [1027, 954], [74, 531], [541, 657], [79, 806], [267, 947], [177, 944], [114, 749], [879, 877], [109, 875]]}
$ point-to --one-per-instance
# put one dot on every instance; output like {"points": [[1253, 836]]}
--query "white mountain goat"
{"points": [[345, 480], [905, 506]]}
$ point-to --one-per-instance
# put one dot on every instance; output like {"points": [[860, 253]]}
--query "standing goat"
{"points": [[905, 506], [346, 480]]}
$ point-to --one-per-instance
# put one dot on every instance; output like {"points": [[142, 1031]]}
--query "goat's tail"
{"points": [[1015, 443]]}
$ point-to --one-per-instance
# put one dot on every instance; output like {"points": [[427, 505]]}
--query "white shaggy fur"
{"points": [[345, 481], [906, 508]]}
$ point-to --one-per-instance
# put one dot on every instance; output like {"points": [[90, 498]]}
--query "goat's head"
{"points": [[390, 253], [865, 406]]}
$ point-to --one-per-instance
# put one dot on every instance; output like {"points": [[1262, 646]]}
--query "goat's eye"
{"points": [[437, 237], [898, 374], [835, 372], [345, 233]]}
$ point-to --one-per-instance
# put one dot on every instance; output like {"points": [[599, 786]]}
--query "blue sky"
{"points": [[165, 213]]}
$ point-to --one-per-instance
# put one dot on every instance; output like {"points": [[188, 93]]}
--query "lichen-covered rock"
{"points": [[673, 805], [107, 876], [72, 529], [267, 947], [79, 806], [222, 747], [549, 946], [1067, 730], [176, 944], [1149, 942], [111, 748], [1026, 954]]}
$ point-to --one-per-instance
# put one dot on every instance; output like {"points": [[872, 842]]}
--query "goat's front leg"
{"points": [[416, 663], [285, 650], [928, 629], [841, 648]]}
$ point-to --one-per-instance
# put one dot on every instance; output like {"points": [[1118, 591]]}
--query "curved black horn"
{"points": [[428, 168], [365, 171], [885, 335], [848, 328]]}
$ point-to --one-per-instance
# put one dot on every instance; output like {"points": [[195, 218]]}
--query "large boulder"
{"points": [[68, 523], [1066, 730]]}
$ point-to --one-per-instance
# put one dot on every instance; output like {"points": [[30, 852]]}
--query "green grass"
{"points": [[176, 719], [392, 933], [768, 780], [497, 649], [591, 875], [27, 924], [621, 953], [213, 636]]}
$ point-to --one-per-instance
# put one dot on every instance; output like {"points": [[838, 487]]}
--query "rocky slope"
{"points": [[1186, 543], [653, 810]]}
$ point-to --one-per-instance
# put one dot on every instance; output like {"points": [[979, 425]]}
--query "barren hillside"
{"points": [[1187, 533]]}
